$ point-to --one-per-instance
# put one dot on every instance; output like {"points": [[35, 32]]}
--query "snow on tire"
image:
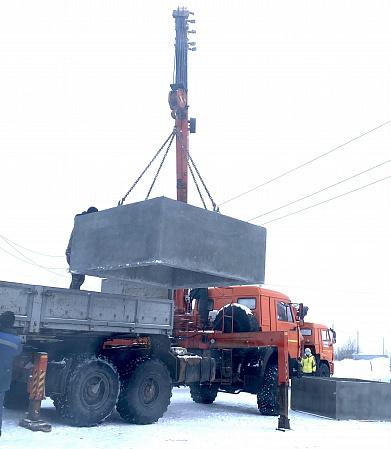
{"points": [[145, 393], [267, 397], [91, 392], [235, 318]]}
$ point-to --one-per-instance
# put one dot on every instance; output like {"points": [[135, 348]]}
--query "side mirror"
{"points": [[334, 335], [302, 311]]}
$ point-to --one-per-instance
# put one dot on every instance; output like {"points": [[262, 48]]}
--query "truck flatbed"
{"points": [[52, 311]]}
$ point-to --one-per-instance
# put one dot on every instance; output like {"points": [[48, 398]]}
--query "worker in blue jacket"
{"points": [[10, 347]]}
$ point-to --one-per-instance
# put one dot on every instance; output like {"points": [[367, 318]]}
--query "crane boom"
{"points": [[178, 101]]}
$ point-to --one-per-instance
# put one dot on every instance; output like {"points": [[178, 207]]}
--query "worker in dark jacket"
{"points": [[77, 279], [10, 347]]}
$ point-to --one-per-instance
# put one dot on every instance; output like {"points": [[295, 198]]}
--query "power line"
{"points": [[27, 249], [28, 260], [31, 262], [304, 163], [24, 255], [273, 286], [321, 190], [326, 201]]}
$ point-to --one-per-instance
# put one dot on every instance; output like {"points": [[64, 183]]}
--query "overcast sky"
{"points": [[273, 84]]}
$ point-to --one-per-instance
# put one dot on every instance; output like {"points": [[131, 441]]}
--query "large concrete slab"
{"points": [[340, 398], [168, 243]]}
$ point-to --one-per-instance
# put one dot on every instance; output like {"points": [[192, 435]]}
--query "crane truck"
{"points": [[252, 367], [92, 352]]}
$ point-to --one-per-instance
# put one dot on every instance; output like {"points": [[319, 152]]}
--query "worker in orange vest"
{"points": [[308, 363]]}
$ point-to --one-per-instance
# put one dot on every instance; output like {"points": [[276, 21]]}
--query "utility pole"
{"points": [[358, 344], [383, 347]]}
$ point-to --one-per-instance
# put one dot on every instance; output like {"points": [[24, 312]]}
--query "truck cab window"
{"points": [[284, 312], [289, 313], [248, 302], [325, 338]]}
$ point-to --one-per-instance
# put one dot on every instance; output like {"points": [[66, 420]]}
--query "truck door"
{"points": [[285, 322], [326, 344]]}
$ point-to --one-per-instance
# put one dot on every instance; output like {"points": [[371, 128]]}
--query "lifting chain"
{"points": [[160, 166], [215, 207], [196, 184], [122, 200], [192, 167]]}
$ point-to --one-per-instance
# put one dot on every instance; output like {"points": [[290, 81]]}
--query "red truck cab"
{"points": [[320, 339], [274, 311]]}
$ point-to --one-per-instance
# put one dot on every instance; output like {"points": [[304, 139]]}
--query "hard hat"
{"points": [[307, 351]]}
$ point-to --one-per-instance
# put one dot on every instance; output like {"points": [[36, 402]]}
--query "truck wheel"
{"points": [[17, 397], [91, 392], [324, 370], [145, 393], [267, 397], [235, 318], [203, 394]]}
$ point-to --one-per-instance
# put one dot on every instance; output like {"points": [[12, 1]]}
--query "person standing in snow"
{"points": [[77, 279], [10, 347], [308, 363]]}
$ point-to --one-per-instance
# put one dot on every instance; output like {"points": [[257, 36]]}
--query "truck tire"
{"points": [[17, 397], [267, 397], [203, 394], [91, 392], [324, 370], [145, 393], [235, 318]]}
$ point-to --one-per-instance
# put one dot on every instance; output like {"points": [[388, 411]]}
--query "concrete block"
{"points": [[340, 398], [168, 243], [134, 289]]}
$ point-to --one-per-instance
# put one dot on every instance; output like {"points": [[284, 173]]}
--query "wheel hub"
{"points": [[149, 391], [95, 390]]}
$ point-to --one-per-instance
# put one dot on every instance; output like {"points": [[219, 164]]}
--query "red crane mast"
{"points": [[178, 99]]}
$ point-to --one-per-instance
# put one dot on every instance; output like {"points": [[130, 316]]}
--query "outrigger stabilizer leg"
{"points": [[36, 389], [283, 420]]}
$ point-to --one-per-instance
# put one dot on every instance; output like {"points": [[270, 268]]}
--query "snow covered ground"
{"points": [[232, 421], [377, 369]]}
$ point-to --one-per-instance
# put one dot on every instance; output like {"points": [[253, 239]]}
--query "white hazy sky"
{"points": [[83, 108]]}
